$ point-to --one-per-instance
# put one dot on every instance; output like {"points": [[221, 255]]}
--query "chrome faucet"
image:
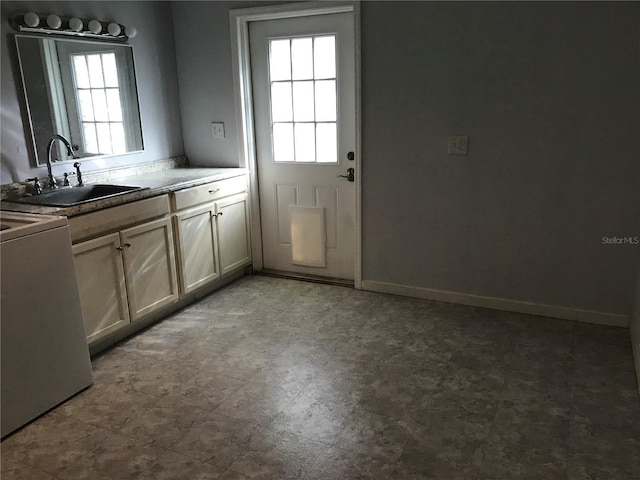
{"points": [[52, 181], [76, 165]]}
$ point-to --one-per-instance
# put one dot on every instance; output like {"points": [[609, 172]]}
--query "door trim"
{"points": [[240, 20]]}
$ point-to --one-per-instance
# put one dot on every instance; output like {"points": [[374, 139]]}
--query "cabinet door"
{"points": [[101, 285], [232, 216], [196, 236], [150, 268]]}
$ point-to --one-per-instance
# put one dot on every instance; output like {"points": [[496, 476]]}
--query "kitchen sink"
{"points": [[68, 197]]}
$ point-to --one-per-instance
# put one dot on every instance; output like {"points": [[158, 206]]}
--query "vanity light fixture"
{"points": [[114, 29], [31, 19], [130, 31], [75, 24], [53, 24], [95, 26]]}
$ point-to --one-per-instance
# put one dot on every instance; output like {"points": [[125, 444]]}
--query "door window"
{"points": [[303, 82]]}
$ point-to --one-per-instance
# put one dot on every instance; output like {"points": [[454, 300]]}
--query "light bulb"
{"points": [[31, 19], [130, 31], [54, 21], [114, 29], [75, 24], [95, 26]]}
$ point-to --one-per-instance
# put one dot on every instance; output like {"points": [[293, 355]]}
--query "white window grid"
{"points": [[314, 82], [101, 147]]}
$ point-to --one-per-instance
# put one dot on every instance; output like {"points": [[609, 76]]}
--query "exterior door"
{"points": [[303, 77]]}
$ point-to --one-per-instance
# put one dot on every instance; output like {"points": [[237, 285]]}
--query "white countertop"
{"points": [[16, 224], [154, 183]]}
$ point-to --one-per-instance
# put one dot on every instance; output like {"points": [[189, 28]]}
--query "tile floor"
{"points": [[278, 379]]}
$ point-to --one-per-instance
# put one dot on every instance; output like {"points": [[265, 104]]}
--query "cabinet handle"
{"points": [[214, 215], [120, 248], [215, 190], [127, 244]]}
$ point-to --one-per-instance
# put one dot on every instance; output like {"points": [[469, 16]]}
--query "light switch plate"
{"points": [[458, 145], [217, 129]]}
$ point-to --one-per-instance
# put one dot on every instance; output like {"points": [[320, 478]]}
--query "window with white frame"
{"points": [[97, 89], [303, 83]]}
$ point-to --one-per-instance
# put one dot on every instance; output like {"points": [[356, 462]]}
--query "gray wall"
{"points": [[548, 94], [203, 51], [156, 74]]}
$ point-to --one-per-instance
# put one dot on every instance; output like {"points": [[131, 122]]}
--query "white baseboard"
{"points": [[565, 313]]}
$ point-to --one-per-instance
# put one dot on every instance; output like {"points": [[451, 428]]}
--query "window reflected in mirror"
{"points": [[85, 91]]}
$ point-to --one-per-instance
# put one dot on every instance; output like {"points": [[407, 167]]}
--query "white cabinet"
{"points": [[196, 237], [124, 275], [149, 267], [212, 231], [138, 258], [232, 215], [101, 284]]}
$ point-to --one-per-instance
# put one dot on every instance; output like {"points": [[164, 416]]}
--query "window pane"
{"points": [[100, 109], [324, 57], [110, 69], [104, 137], [90, 139], [281, 102], [327, 143], [81, 72], [283, 142], [117, 138], [86, 105], [95, 71], [326, 101], [279, 60], [302, 58], [303, 101], [113, 102], [305, 142]]}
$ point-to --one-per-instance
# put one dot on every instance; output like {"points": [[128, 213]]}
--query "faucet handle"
{"points": [[37, 188], [76, 165]]}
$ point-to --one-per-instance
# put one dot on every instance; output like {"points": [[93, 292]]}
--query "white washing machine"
{"points": [[45, 356]]}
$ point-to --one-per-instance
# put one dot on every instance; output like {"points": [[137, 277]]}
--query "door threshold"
{"points": [[306, 278]]}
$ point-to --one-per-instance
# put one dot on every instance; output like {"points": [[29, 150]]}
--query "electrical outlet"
{"points": [[458, 145], [217, 129]]}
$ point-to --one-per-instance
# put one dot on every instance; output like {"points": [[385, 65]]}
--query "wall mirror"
{"points": [[82, 90]]}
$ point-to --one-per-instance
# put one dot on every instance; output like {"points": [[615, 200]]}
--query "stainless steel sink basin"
{"points": [[68, 197]]}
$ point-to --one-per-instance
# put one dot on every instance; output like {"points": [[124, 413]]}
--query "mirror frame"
{"points": [[31, 141]]}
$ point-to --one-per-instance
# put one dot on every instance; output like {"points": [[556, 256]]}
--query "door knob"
{"points": [[350, 176]]}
